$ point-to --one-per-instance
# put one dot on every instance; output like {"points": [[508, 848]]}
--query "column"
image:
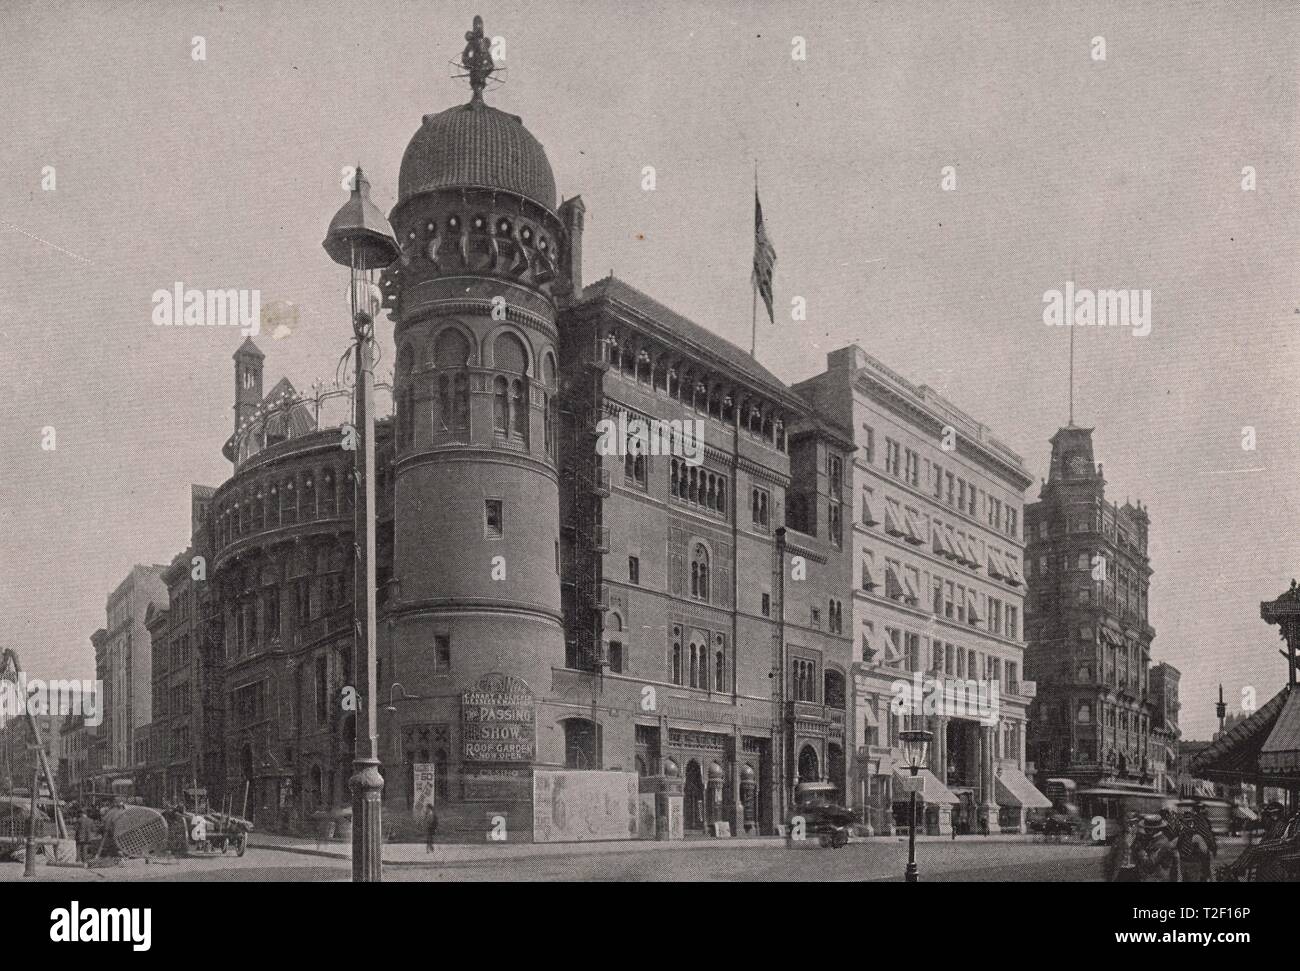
{"points": [[988, 788], [737, 799]]}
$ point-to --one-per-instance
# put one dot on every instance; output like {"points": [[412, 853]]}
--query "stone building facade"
{"points": [[1087, 625], [933, 529]]}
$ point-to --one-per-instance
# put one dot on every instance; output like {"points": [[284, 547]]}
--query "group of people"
{"points": [[95, 840], [1165, 847]]}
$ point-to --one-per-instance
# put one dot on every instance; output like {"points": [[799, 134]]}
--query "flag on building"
{"points": [[764, 259]]}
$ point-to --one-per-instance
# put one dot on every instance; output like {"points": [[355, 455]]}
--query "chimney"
{"points": [[572, 213]]}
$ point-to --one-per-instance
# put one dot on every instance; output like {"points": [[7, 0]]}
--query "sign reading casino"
{"points": [[497, 721]]}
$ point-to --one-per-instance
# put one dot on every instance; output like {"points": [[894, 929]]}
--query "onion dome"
{"points": [[475, 145]]}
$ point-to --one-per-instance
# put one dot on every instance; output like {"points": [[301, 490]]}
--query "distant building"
{"points": [[124, 666], [1089, 637], [1163, 694]]}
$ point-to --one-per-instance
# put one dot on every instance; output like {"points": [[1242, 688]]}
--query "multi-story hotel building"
{"points": [[1086, 623], [1165, 733], [937, 597], [123, 665]]}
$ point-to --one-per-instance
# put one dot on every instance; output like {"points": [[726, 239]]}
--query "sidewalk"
{"points": [[414, 854]]}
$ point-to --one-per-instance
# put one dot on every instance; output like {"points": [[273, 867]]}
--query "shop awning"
{"points": [[931, 792], [1015, 789], [1281, 753]]}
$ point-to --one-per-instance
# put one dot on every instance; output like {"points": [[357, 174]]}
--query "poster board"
{"points": [[571, 805], [424, 788]]}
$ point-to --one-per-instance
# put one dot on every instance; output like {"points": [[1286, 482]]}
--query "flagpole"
{"points": [[753, 283]]}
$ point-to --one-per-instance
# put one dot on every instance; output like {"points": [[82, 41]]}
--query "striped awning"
{"points": [[930, 789], [1281, 753], [1015, 789]]}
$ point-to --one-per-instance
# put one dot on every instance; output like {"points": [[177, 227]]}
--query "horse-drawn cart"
{"points": [[196, 830]]}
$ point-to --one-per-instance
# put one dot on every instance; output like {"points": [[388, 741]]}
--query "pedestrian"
{"points": [[85, 835], [1155, 852], [954, 829], [984, 825], [1194, 851], [430, 827]]}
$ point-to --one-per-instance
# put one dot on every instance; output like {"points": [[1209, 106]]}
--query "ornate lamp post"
{"points": [[360, 238], [916, 747]]}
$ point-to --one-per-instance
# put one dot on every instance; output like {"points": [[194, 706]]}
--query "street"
{"points": [[873, 860]]}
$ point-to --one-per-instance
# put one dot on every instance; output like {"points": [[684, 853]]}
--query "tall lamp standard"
{"points": [[916, 747], [360, 238]]}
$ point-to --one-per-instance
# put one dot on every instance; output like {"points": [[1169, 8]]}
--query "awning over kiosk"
{"points": [[931, 791], [1015, 789]]}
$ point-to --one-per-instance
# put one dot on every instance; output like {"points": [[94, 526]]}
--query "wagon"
{"points": [[195, 830]]}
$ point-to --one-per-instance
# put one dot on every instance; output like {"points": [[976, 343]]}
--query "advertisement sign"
{"points": [[498, 721], [423, 788], [574, 805]]}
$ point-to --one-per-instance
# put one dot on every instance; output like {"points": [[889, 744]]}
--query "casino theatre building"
{"points": [[665, 606]]}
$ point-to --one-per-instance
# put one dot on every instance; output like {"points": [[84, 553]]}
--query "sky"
{"points": [[1125, 172]]}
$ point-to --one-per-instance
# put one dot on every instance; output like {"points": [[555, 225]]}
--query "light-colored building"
{"points": [[123, 664], [937, 601]]}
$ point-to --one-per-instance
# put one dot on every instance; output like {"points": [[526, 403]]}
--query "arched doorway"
{"points": [[693, 796], [809, 769], [835, 771], [580, 744]]}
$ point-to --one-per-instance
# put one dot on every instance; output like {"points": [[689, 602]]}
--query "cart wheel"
{"points": [[241, 844]]}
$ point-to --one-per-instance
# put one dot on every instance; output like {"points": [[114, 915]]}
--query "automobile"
{"points": [[823, 818]]}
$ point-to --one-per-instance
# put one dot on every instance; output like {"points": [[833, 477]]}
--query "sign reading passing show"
{"points": [[498, 721]]}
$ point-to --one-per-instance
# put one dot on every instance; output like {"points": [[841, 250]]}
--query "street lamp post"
{"points": [[360, 238], [916, 746]]}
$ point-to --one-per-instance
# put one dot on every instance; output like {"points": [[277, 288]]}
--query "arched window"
{"points": [[548, 423], [508, 354], [694, 669], [451, 349], [720, 669], [443, 418], [700, 573], [500, 406], [519, 410], [327, 500], [677, 663], [694, 493]]}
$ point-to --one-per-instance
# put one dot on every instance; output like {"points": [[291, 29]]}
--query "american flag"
{"points": [[764, 259]]}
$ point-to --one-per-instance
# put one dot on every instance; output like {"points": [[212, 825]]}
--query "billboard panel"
{"points": [[573, 805]]}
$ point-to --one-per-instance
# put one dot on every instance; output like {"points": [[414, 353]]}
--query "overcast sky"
{"points": [[1122, 173]]}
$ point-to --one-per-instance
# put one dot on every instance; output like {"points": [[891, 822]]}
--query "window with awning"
{"points": [[914, 534], [891, 523], [972, 607], [996, 567], [893, 589]]}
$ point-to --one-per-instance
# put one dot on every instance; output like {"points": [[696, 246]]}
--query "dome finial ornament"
{"points": [[477, 58]]}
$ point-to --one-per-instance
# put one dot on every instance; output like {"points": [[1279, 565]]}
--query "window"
{"points": [[803, 674], [892, 451], [501, 407], [720, 670], [869, 444], [912, 471], [760, 501], [633, 570], [700, 573], [912, 645], [767, 605], [835, 476], [442, 651], [834, 525], [938, 482], [677, 656], [271, 609], [615, 656], [493, 519], [815, 617]]}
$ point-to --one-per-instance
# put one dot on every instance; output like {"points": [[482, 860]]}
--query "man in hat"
{"points": [[1194, 853], [1119, 865], [1155, 853]]}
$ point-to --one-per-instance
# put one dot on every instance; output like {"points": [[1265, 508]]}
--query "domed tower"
{"points": [[476, 544]]}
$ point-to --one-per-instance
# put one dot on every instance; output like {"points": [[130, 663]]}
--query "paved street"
{"points": [[874, 860]]}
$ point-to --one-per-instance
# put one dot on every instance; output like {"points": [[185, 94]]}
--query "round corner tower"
{"points": [[476, 523]]}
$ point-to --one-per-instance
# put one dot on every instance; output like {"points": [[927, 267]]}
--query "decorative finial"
{"points": [[477, 58]]}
